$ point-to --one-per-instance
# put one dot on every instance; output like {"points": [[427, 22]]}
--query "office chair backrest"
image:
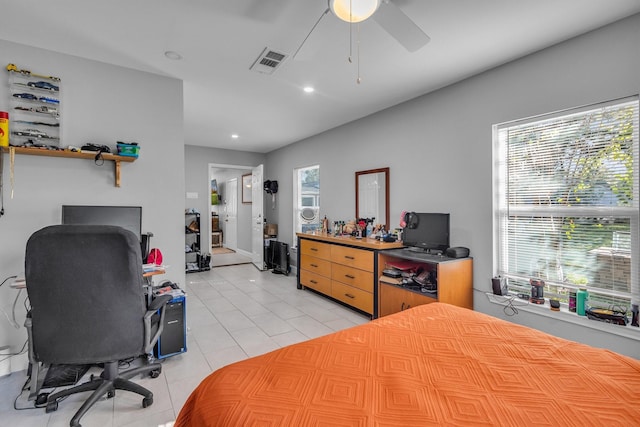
{"points": [[85, 287]]}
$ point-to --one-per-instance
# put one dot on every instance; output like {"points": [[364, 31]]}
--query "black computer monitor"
{"points": [[431, 232], [127, 217]]}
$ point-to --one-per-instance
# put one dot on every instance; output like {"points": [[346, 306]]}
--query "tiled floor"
{"points": [[233, 313]]}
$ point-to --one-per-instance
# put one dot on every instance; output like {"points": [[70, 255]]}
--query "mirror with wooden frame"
{"points": [[372, 195]]}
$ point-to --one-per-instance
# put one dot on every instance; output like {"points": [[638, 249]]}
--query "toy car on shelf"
{"points": [[26, 122], [42, 109], [30, 143], [31, 132], [49, 100], [15, 69], [44, 85], [25, 96]]}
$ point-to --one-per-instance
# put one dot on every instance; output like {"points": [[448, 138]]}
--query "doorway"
{"points": [[233, 241]]}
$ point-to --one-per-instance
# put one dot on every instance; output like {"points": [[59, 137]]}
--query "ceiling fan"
{"points": [[389, 16]]}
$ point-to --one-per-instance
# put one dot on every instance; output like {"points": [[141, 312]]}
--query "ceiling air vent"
{"points": [[268, 61]]}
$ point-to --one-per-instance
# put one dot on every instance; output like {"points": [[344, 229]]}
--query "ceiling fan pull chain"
{"points": [[358, 80], [350, 33]]}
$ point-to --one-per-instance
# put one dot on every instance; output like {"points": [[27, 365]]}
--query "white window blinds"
{"points": [[567, 202]]}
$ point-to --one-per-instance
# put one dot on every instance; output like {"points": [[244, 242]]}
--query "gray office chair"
{"points": [[88, 307]]}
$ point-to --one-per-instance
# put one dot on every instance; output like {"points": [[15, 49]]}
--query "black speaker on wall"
{"points": [[173, 339]]}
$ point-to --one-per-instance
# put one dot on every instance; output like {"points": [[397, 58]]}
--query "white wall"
{"points": [[439, 148], [101, 104]]}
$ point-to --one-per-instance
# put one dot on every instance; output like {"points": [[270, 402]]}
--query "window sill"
{"points": [[631, 332]]}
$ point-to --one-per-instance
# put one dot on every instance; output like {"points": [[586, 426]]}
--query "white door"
{"points": [[257, 218], [231, 215]]}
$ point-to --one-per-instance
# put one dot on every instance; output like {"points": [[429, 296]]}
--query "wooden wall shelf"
{"points": [[74, 155]]}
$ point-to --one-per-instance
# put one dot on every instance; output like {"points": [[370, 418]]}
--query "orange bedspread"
{"points": [[434, 364]]}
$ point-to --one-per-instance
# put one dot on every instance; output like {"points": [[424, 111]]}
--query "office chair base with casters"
{"points": [[106, 385]]}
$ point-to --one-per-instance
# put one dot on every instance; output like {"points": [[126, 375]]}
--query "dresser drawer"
{"points": [[352, 296], [316, 249], [315, 265], [352, 276], [352, 257], [315, 281]]}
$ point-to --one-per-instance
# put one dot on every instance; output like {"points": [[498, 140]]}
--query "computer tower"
{"points": [[173, 339]]}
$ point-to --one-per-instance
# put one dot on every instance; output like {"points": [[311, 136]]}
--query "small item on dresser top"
{"points": [[554, 305], [389, 238], [457, 252]]}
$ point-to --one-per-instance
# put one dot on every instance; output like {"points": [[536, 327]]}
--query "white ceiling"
{"points": [[220, 39]]}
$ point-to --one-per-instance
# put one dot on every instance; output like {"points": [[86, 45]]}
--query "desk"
{"points": [[21, 283], [148, 274]]}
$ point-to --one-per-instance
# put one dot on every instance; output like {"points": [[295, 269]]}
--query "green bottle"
{"points": [[581, 302]]}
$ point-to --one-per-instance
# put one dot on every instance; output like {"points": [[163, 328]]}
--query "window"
{"points": [[306, 199], [566, 203]]}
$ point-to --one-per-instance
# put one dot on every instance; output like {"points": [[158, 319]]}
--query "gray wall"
{"points": [[439, 148], [197, 160], [101, 104]]}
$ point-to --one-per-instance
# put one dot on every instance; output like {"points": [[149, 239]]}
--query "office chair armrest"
{"points": [[158, 302]]}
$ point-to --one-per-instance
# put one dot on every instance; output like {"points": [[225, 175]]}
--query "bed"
{"points": [[434, 364]]}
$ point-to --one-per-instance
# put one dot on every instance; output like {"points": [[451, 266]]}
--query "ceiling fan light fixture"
{"points": [[353, 11]]}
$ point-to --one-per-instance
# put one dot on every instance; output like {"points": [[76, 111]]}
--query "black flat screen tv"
{"points": [[127, 217], [431, 233]]}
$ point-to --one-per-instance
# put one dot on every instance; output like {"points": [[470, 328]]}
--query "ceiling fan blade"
{"points": [[400, 26]]}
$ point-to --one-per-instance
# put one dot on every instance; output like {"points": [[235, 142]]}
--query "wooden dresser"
{"points": [[454, 278], [343, 268]]}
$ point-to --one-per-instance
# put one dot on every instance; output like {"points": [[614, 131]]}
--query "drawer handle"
{"points": [[402, 307], [349, 296], [349, 257], [314, 265], [314, 282], [348, 276], [314, 249]]}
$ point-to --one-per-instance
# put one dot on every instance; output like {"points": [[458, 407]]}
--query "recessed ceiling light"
{"points": [[308, 89], [173, 55], [235, 136]]}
